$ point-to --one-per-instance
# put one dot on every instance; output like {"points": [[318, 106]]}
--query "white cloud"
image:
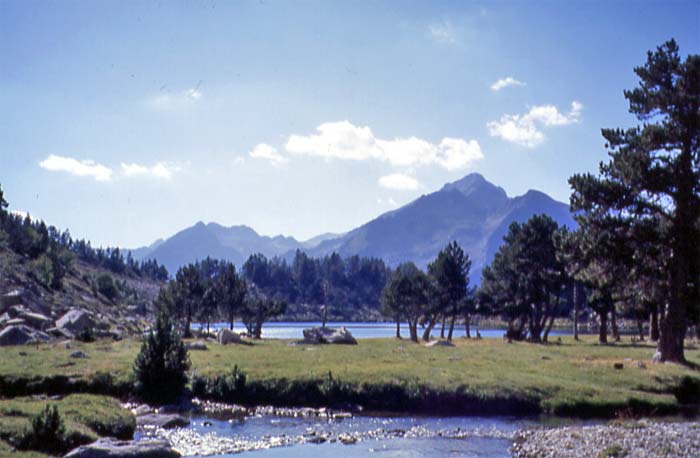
{"points": [[162, 170], [525, 129], [506, 82], [399, 182], [442, 32], [343, 140], [167, 101], [85, 168], [265, 151]]}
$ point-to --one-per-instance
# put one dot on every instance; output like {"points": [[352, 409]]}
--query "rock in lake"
{"points": [[20, 335], [320, 335], [226, 336], [111, 448], [165, 421]]}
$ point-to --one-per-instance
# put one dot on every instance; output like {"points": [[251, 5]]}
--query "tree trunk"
{"points": [[685, 268], [187, 328], [654, 324], [466, 325], [576, 298], [258, 329], [452, 328], [603, 331], [442, 329], [549, 328], [613, 324], [413, 330], [429, 329], [640, 328], [672, 330], [398, 328]]}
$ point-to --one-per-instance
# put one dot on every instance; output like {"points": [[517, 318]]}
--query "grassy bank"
{"points": [[85, 418], [475, 377]]}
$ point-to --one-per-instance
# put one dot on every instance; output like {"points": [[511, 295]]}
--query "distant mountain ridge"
{"points": [[471, 210]]}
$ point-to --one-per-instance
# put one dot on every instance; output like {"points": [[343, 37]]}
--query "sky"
{"points": [[128, 121]]}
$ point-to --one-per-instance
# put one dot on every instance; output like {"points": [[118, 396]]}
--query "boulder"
{"points": [[78, 354], [11, 298], [36, 320], [226, 336], [20, 335], [164, 421], [320, 335], [15, 322], [198, 345], [112, 448], [76, 321], [440, 343], [341, 336], [60, 333], [4, 318]]}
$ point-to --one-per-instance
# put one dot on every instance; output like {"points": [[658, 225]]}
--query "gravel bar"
{"points": [[634, 439]]}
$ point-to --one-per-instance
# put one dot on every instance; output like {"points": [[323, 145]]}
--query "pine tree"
{"points": [[654, 174]]}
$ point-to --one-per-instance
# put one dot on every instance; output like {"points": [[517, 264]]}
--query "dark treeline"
{"points": [[53, 251], [213, 290]]}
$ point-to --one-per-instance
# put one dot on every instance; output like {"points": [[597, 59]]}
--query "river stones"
{"points": [[164, 421], [111, 448]]}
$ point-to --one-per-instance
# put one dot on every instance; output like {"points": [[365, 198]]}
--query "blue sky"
{"points": [[128, 121]]}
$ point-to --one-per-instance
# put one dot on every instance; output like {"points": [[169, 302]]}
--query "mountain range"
{"points": [[472, 211]]}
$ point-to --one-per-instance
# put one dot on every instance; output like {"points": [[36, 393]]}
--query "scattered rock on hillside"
{"points": [[20, 335], [111, 448], [13, 297], [78, 354], [321, 335], [76, 321], [226, 336], [36, 320], [440, 343]]}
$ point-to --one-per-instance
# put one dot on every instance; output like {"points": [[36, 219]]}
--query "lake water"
{"points": [[269, 436], [293, 330]]}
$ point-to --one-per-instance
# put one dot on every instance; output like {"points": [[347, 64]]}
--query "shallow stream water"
{"points": [[267, 436]]}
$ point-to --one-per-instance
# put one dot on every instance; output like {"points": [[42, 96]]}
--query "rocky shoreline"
{"points": [[634, 439], [630, 439]]}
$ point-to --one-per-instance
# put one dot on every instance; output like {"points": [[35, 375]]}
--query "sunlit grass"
{"points": [[556, 374]]}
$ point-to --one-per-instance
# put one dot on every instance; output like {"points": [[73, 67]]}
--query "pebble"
{"points": [[634, 439]]}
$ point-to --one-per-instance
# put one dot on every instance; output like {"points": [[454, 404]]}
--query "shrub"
{"points": [[47, 433], [107, 286], [162, 364], [42, 270], [86, 335]]}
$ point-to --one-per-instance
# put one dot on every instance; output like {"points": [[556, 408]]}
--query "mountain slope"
{"points": [[471, 210]]}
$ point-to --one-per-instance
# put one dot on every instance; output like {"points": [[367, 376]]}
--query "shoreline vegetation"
{"points": [[476, 377]]}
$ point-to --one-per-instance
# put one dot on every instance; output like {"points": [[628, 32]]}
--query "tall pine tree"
{"points": [[654, 174]]}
